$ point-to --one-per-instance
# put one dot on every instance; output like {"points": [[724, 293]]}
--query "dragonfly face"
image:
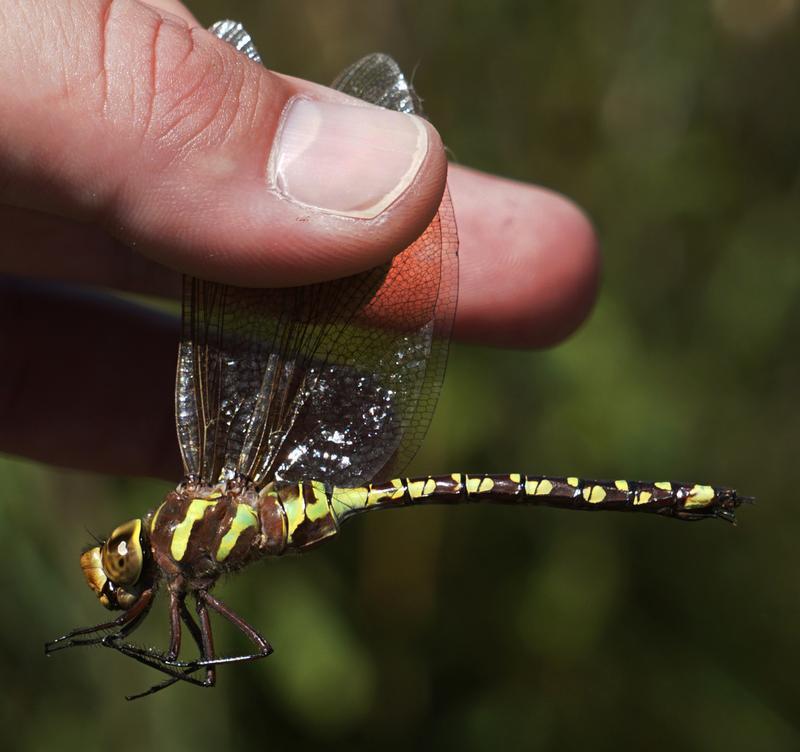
{"points": [[115, 569]]}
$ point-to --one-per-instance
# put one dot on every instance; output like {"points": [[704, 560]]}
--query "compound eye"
{"points": [[123, 555]]}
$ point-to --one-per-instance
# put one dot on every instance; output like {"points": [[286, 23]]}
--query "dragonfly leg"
{"points": [[264, 648], [175, 611], [124, 624]]}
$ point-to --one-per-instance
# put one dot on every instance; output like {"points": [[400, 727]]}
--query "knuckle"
{"points": [[200, 96], [173, 84]]}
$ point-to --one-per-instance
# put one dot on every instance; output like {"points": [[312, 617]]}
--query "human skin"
{"points": [[105, 147]]}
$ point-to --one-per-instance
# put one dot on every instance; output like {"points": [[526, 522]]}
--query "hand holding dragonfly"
{"points": [[136, 146]]}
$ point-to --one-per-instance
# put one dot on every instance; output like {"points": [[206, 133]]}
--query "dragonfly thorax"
{"points": [[200, 532]]}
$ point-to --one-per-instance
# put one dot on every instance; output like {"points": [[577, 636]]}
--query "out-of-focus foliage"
{"points": [[676, 125]]}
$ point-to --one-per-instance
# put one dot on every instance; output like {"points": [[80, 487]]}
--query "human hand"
{"points": [[126, 125]]}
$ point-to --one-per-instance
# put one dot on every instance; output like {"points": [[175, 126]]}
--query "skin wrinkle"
{"points": [[105, 19], [213, 102], [153, 77], [186, 98]]}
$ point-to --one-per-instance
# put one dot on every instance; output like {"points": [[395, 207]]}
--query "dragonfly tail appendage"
{"points": [[680, 500]]}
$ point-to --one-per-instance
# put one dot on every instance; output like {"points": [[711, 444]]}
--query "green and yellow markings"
{"points": [[642, 497], [298, 508], [664, 486], [183, 530], [541, 487], [244, 519], [318, 508], [345, 501], [294, 506], [478, 485], [574, 482], [699, 496], [594, 494], [622, 485]]}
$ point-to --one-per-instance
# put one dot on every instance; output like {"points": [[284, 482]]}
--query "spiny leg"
{"points": [[125, 623], [182, 670]]}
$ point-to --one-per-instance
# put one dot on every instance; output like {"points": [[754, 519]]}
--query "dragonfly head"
{"points": [[114, 569]]}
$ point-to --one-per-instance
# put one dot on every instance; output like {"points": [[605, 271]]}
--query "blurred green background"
{"points": [[675, 124]]}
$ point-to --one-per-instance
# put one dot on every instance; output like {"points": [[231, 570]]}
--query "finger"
{"points": [[206, 162], [90, 382], [529, 260], [529, 271]]}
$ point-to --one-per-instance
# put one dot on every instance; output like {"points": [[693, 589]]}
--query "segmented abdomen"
{"points": [[314, 511]]}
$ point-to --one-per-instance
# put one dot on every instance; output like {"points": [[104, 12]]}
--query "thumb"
{"points": [[116, 113]]}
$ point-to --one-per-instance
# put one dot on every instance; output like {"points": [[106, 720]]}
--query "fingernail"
{"points": [[348, 160]]}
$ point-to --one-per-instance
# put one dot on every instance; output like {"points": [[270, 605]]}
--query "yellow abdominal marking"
{"points": [[319, 507], [594, 494], [643, 497], [663, 486], [180, 536], [419, 489], [376, 496], [699, 496], [346, 500], [479, 485], [298, 509], [515, 478], [538, 487], [245, 518], [622, 485], [573, 482], [295, 511]]}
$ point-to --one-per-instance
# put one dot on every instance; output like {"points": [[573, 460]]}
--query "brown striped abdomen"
{"points": [[684, 501]]}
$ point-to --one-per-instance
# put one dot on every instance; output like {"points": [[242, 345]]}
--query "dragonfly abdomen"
{"points": [[685, 501]]}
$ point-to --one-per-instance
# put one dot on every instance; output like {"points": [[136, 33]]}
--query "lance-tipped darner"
{"points": [[297, 409]]}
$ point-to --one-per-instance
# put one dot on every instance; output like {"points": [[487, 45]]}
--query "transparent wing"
{"points": [[335, 381]]}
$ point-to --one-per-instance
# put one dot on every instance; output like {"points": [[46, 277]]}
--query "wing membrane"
{"points": [[335, 381]]}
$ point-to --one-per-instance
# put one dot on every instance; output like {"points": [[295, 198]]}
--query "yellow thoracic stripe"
{"points": [[180, 536], [244, 519], [155, 517]]}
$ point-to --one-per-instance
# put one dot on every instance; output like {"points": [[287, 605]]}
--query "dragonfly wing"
{"points": [[352, 435], [335, 381]]}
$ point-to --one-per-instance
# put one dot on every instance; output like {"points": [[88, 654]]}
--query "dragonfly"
{"points": [[296, 410]]}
